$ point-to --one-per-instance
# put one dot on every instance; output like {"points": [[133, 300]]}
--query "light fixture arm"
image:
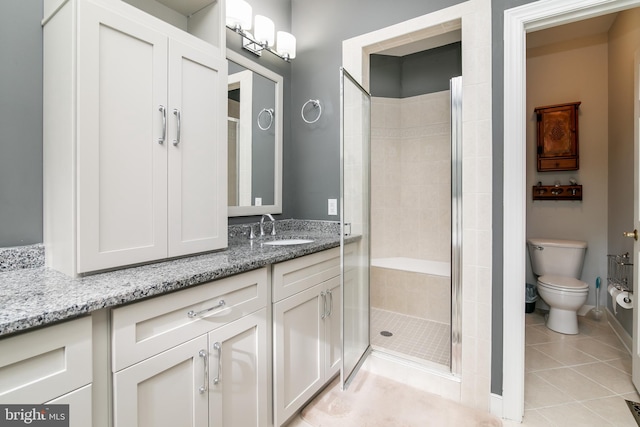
{"points": [[256, 47]]}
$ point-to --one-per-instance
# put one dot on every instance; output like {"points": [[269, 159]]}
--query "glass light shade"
{"points": [[264, 30], [239, 14], [286, 44]]}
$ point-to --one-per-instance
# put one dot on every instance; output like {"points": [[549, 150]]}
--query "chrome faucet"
{"points": [[273, 224]]}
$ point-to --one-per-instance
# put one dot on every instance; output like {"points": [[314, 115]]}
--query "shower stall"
{"points": [[416, 225]]}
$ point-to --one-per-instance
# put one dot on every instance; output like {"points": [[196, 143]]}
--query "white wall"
{"points": [[565, 72]]}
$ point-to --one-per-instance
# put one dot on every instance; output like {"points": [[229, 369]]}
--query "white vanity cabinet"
{"points": [[306, 329], [196, 357], [134, 138], [50, 365]]}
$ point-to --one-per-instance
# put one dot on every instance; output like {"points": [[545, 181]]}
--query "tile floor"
{"points": [[572, 380], [413, 337], [578, 380]]}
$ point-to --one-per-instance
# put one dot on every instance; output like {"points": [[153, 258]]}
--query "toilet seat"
{"points": [[562, 283]]}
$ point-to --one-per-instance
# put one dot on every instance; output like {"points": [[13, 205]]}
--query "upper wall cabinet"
{"points": [[134, 139], [557, 137]]}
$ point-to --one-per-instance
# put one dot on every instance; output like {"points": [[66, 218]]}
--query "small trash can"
{"points": [[531, 297]]}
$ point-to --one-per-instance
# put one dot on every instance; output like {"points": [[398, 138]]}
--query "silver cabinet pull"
{"points": [[203, 354], [330, 302], [191, 314], [163, 110], [324, 304], [218, 347], [176, 113]]}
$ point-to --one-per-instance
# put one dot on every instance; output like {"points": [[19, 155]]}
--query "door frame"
{"points": [[517, 22]]}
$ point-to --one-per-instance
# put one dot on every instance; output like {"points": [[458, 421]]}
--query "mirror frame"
{"points": [[276, 208]]}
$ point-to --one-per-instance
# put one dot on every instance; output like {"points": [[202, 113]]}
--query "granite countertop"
{"points": [[37, 296]]}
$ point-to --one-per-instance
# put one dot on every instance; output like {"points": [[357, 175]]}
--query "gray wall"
{"points": [[312, 160], [416, 74], [20, 122]]}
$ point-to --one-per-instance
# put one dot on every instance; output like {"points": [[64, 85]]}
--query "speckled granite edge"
{"points": [[36, 297], [19, 257]]}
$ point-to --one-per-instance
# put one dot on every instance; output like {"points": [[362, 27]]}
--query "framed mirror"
{"points": [[254, 138]]}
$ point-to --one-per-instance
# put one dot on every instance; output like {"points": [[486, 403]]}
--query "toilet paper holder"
{"points": [[620, 273]]}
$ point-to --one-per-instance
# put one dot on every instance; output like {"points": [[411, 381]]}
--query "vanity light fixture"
{"points": [[239, 20]]}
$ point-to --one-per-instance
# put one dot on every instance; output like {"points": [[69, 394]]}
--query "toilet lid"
{"points": [[562, 282]]}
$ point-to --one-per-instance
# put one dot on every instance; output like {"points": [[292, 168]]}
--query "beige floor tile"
{"points": [[614, 410], [623, 364], [574, 414], [565, 353], [635, 397], [535, 336], [597, 350], [607, 376], [535, 318], [534, 418], [539, 393], [610, 340], [535, 360], [574, 385]]}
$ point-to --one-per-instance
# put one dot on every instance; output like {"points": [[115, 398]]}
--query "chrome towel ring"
{"points": [[316, 104], [270, 112]]}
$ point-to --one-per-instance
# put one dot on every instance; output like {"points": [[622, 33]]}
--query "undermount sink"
{"points": [[287, 242]]}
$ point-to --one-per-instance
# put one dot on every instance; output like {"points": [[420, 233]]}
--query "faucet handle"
{"points": [[273, 227], [251, 233]]}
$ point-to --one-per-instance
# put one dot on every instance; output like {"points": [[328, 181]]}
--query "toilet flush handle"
{"points": [[633, 234], [538, 248]]}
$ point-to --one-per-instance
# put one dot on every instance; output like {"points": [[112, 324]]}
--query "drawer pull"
{"points": [[193, 314], [218, 347], [330, 303], [203, 387], [324, 304]]}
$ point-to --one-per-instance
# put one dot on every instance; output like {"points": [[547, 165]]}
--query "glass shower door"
{"points": [[355, 136]]}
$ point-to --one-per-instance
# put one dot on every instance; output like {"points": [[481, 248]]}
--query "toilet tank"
{"points": [[555, 256]]}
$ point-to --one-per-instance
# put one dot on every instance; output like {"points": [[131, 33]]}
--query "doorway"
{"points": [[518, 22]]}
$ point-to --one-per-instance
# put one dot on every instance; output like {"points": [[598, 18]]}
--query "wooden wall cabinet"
{"points": [[557, 137]]}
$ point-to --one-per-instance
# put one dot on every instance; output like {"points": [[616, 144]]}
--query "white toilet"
{"points": [[558, 266]]}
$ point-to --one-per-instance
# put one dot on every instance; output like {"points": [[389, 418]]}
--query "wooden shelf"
{"points": [[557, 192]]}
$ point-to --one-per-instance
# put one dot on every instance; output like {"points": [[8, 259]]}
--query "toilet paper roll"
{"points": [[614, 292], [624, 299]]}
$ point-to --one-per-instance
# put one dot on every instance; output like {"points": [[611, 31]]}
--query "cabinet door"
{"points": [[166, 390], [298, 351], [121, 159], [333, 340], [79, 402], [238, 376], [197, 150]]}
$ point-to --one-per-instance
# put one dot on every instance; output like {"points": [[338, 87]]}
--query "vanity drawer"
{"points": [[143, 329], [296, 275], [44, 364]]}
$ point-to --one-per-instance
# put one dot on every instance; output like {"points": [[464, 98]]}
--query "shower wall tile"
{"points": [[411, 177]]}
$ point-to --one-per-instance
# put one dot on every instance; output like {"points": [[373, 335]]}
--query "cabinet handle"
{"points": [[203, 387], [330, 302], [191, 314], [163, 110], [324, 304], [218, 347], [176, 141]]}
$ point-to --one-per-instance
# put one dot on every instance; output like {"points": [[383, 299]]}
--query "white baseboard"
{"points": [[620, 331]]}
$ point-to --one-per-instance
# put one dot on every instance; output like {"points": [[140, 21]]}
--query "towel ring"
{"points": [[316, 104], [269, 111]]}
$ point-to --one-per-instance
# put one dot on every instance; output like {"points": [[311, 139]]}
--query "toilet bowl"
{"points": [[558, 266], [565, 296]]}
